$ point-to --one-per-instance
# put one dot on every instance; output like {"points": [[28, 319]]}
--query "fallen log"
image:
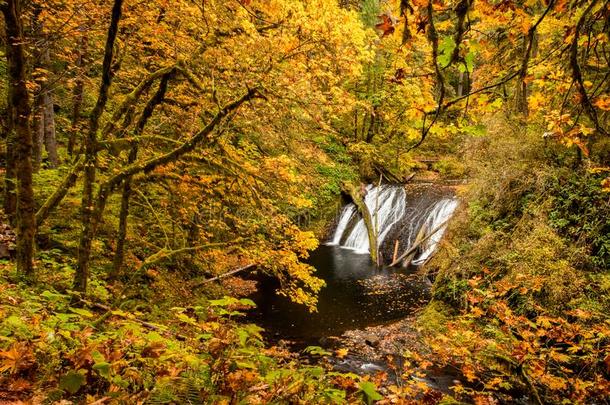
{"points": [[417, 244]]}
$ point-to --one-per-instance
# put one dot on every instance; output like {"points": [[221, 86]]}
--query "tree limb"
{"points": [[227, 274], [60, 192], [577, 73]]}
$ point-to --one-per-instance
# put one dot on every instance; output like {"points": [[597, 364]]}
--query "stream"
{"points": [[357, 293], [358, 296]]}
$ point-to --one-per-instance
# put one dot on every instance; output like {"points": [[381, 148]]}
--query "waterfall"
{"points": [[387, 206], [395, 216], [439, 215], [347, 214]]}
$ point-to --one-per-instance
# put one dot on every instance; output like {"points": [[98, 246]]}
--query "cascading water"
{"points": [[346, 215], [438, 217], [387, 206], [396, 217], [358, 293]]}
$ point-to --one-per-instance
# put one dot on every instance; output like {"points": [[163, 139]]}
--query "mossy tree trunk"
{"points": [[357, 196], [21, 135], [90, 143], [156, 99]]}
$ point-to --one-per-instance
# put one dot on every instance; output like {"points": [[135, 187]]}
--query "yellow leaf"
{"points": [[341, 353]]}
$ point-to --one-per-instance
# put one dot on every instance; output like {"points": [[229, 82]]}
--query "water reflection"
{"points": [[357, 295]]}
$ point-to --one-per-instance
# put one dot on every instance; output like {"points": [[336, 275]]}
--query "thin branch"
{"points": [[227, 274]]}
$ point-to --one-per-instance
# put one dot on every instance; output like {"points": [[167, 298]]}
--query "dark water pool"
{"points": [[356, 295]]}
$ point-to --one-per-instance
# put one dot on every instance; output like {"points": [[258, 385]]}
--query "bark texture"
{"points": [[18, 99], [84, 248]]}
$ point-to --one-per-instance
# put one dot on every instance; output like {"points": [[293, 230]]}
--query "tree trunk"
{"points": [[44, 118], [84, 249], [358, 199], [77, 95], [49, 129], [47, 108], [521, 106], [38, 134], [10, 190], [156, 99], [20, 108], [38, 113]]}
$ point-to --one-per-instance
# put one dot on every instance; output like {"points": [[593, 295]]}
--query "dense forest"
{"points": [[305, 201]]}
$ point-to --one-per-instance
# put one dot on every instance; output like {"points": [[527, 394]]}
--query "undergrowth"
{"points": [[520, 293], [56, 347]]}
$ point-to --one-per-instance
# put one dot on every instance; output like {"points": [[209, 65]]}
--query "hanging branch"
{"points": [[106, 188], [433, 39], [577, 73], [133, 97]]}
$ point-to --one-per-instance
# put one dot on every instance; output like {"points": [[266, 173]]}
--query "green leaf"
{"points": [[187, 319], [103, 368], [247, 302], [445, 48], [469, 59], [81, 312], [313, 371], [245, 364], [370, 391], [72, 381], [334, 395], [316, 351], [15, 322], [224, 301], [98, 357], [154, 337]]}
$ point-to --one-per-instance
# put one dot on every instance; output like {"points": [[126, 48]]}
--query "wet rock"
{"points": [[372, 340]]}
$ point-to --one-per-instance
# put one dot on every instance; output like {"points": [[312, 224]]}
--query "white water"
{"points": [[440, 214], [389, 205], [347, 214]]}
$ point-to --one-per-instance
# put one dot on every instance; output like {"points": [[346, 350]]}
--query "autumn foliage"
{"points": [[150, 149]]}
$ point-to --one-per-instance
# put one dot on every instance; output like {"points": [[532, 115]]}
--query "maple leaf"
{"points": [[17, 358], [387, 25], [398, 77], [603, 103]]}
